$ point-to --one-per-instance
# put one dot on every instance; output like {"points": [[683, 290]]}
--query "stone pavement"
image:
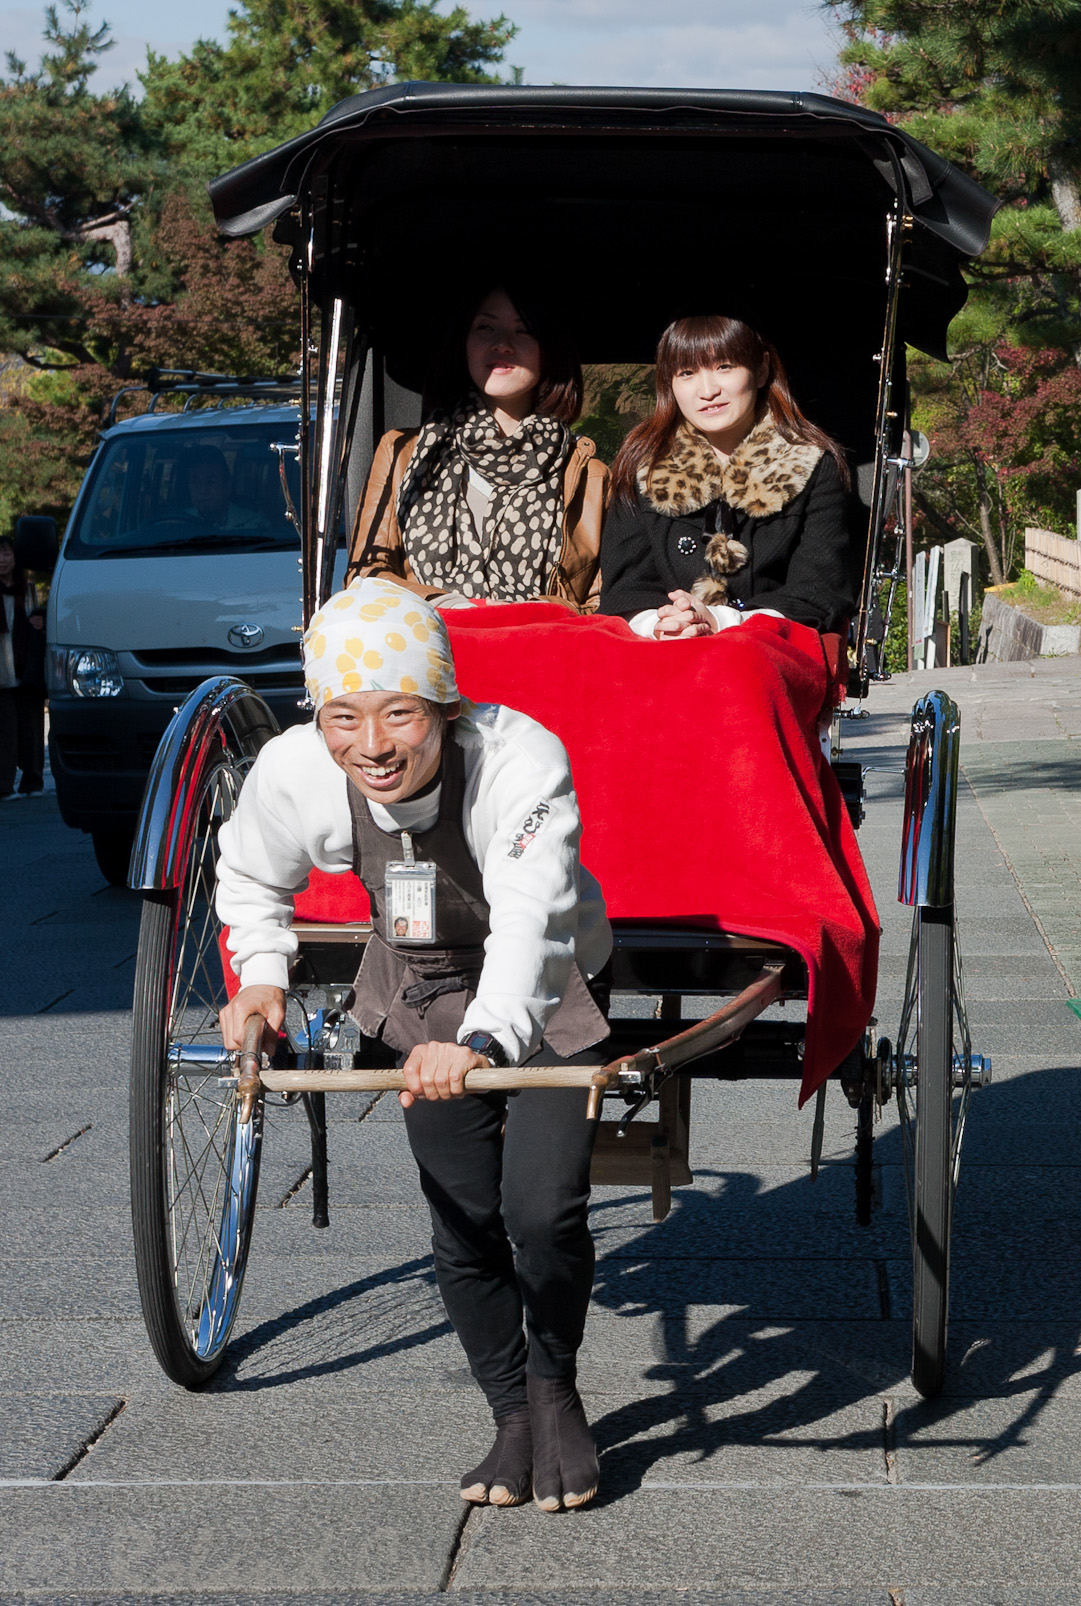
{"points": [[746, 1361]]}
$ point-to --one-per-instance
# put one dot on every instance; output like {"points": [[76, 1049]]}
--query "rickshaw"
{"points": [[818, 222]]}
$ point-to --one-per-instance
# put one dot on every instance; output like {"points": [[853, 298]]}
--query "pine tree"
{"points": [[109, 259], [73, 166], [995, 85], [287, 62]]}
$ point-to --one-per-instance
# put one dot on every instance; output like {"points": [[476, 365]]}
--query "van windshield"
{"points": [[168, 490]]}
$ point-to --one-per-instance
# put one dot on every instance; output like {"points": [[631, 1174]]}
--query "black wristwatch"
{"points": [[492, 1049]]}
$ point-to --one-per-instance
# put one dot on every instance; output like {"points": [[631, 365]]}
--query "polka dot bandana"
{"points": [[377, 636]]}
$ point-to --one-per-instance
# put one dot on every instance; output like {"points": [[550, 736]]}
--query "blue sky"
{"points": [[729, 44]]}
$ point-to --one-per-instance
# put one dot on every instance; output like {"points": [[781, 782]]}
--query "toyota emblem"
{"points": [[246, 635]]}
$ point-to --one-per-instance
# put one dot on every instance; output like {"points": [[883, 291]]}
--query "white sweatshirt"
{"points": [[521, 824]]}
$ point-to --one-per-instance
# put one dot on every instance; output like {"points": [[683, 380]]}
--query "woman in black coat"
{"points": [[727, 500], [22, 680]]}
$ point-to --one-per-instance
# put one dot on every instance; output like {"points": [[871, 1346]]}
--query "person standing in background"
{"points": [[22, 679]]}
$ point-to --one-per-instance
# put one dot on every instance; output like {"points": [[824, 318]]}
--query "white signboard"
{"points": [[930, 596], [958, 556], [916, 606]]}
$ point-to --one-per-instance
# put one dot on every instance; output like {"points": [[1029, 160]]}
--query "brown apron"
{"points": [[407, 995]]}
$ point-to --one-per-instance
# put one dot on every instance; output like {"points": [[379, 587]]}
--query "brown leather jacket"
{"points": [[377, 547]]}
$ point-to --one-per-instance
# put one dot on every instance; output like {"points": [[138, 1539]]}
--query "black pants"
{"points": [[506, 1177], [22, 738]]}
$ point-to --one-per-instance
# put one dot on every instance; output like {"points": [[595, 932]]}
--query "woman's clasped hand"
{"points": [[684, 615]]}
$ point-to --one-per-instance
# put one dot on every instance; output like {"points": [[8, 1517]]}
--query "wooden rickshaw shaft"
{"points": [[705, 1036]]}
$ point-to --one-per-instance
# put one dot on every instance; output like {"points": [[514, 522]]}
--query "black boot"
{"points": [[565, 1467], [504, 1476]]}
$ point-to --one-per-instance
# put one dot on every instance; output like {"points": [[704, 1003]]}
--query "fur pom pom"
{"points": [[723, 555]]}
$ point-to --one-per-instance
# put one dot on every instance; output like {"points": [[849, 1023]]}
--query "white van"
{"points": [[180, 561]]}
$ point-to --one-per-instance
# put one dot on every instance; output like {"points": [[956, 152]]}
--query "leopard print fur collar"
{"points": [[763, 474]]}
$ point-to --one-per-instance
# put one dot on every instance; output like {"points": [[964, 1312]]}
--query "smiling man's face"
{"points": [[388, 743]]}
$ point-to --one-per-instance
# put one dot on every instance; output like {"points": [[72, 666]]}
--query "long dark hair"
{"points": [[15, 586], [17, 582], [559, 393], [695, 343]]}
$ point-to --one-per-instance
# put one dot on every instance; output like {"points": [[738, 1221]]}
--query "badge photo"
{"points": [[410, 902]]}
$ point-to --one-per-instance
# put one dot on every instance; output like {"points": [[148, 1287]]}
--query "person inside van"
{"points": [[493, 497], [210, 493], [485, 952]]}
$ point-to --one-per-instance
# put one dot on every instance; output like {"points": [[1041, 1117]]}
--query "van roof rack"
{"points": [[199, 387]]}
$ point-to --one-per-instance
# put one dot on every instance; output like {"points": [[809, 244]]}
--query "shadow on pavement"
{"points": [[1016, 1320], [291, 1337], [1015, 1309], [993, 772]]}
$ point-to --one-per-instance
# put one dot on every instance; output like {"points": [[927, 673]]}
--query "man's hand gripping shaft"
{"points": [[260, 1000]]}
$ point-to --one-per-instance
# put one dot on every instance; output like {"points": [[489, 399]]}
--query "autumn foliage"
{"points": [[995, 85], [110, 263]]}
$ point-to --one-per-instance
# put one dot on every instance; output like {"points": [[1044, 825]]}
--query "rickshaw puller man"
{"points": [[429, 799]]}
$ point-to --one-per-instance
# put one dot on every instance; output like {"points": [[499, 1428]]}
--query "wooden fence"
{"points": [[1055, 559]]}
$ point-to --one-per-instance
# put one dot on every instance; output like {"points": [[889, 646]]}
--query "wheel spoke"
{"points": [[191, 1190], [200, 1215], [205, 1163]]}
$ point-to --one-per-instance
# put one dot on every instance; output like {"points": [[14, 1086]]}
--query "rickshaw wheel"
{"points": [[194, 1164], [931, 1159], [933, 1059]]}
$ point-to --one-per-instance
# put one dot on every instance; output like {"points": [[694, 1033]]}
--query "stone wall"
{"points": [[1008, 635]]}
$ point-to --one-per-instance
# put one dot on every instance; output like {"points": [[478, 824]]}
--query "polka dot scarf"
{"points": [[376, 636], [512, 558]]}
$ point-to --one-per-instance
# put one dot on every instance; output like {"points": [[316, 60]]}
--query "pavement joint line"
{"points": [[46, 1007], [667, 1485], [460, 1545], [874, 1488], [291, 1193], [889, 1439], [229, 1483], [1020, 889], [88, 1444], [66, 1143], [362, 1118]]}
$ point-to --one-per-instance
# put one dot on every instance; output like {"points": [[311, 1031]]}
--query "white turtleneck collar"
{"points": [[414, 814]]}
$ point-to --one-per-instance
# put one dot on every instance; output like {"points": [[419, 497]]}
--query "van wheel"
{"points": [[112, 850]]}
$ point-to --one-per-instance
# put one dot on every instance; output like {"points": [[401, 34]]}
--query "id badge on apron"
{"points": [[409, 893]]}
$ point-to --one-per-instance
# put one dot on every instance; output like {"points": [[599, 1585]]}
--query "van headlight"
{"points": [[85, 671]]}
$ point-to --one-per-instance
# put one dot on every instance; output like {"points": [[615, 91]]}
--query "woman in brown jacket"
{"points": [[493, 496]]}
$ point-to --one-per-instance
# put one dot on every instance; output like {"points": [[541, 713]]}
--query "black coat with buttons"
{"points": [[803, 562]]}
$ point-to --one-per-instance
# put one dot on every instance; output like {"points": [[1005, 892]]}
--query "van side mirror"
{"points": [[36, 543]]}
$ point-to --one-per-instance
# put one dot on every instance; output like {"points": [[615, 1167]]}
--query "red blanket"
{"points": [[705, 797]]}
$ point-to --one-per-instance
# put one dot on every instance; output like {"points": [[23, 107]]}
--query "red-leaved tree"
{"points": [[1006, 430]]}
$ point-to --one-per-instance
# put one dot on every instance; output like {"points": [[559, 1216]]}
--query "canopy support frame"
{"points": [[899, 226]]}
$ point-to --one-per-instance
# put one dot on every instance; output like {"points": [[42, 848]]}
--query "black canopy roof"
{"points": [[636, 204]]}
